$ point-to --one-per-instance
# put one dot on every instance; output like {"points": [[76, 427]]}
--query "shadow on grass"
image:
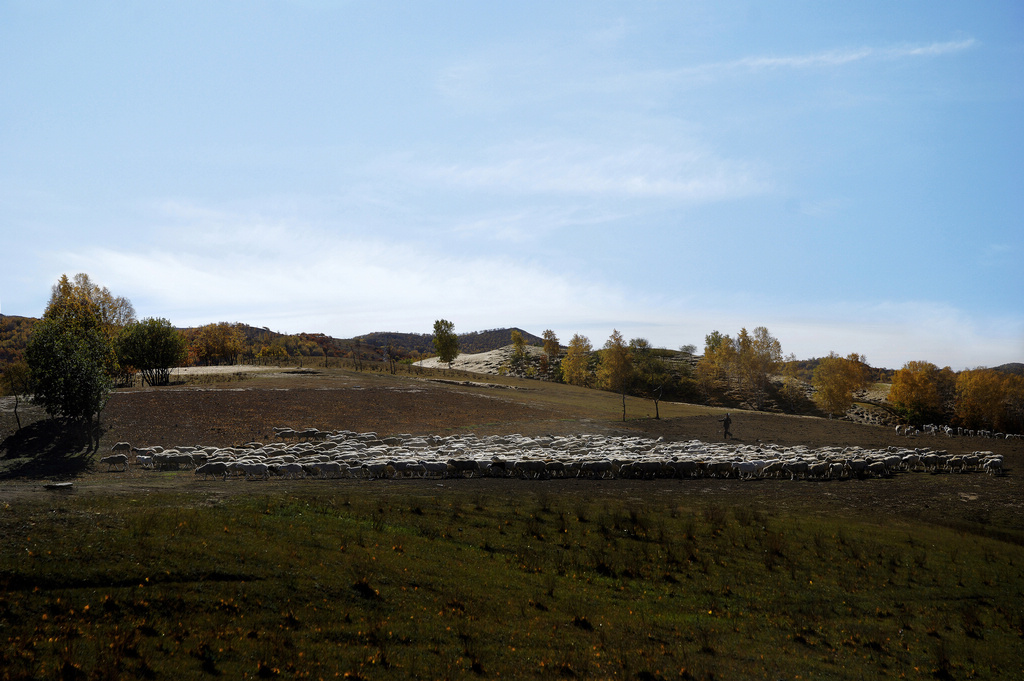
{"points": [[48, 448]]}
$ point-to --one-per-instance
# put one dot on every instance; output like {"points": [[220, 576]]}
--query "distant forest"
{"points": [[15, 332]]}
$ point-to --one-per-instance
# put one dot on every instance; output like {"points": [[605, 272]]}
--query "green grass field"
{"points": [[392, 581]]}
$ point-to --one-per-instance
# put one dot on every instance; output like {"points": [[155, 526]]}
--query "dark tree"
{"points": [[69, 378], [15, 381], [153, 347], [446, 343]]}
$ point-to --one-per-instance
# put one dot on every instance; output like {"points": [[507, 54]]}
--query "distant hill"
{"points": [[404, 344], [14, 333], [1011, 368]]}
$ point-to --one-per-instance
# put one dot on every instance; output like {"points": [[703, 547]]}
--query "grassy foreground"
{"points": [[320, 582]]}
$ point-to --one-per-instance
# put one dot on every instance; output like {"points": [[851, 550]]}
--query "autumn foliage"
{"points": [[835, 380], [991, 400], [576, 363], [922, 392]]}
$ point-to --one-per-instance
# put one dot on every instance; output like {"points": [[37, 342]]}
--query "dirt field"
{"points": [[246, 410]]}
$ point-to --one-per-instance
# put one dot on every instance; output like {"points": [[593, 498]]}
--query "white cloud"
{"points": [[347, 287], [829, 58], [340, 286], [644, 171]]}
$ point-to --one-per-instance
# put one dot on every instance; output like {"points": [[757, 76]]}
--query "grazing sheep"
{"points": [[252, 469], [436, 468], [530, 468], [795, 468], [818, 470], [213, 468], [417, 470], [748, 470], [287, 470], [342, 452], [463, 467], [554, 469], [116, 460], [373, 471]]}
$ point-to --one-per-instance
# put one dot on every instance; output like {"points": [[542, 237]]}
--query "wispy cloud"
{"points": [[829, 58], [629, 171], [345, 287]]}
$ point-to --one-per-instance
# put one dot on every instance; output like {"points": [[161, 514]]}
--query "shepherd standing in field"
{"points": [[726, 422]]}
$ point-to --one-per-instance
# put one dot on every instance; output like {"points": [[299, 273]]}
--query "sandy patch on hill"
{"points": [[480, 362]]}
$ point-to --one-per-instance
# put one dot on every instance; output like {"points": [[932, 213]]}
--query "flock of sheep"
{"points": [[950, 431], [313, 453]]}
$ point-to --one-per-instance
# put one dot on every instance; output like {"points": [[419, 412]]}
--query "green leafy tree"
{"points": [[152, 347], [616, 371], [446, 342], [576, 363], [69, 372], [70, 355]]}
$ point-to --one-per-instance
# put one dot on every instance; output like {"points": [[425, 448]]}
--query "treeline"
{"points": [[235, 342], [978, 399], [14, 335], [750, 371], [88, 328]]}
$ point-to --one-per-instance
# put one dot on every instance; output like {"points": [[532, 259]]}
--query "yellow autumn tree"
{"points": [[551, 350], [576, 363], [981, 398], [835, 380], [518, 348], [758, 356], [616, 371], [922, 392], [219, 343], [713, 368]]}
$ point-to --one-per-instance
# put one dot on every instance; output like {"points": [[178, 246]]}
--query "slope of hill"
{"points": [[14, 333], [1011, 368], [473, 342]]}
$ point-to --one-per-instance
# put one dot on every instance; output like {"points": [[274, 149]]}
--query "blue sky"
{"points": [[848, 175]]}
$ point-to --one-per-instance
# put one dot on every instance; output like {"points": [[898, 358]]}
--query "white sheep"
{"points": [[213, 468], [116, 460]]}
